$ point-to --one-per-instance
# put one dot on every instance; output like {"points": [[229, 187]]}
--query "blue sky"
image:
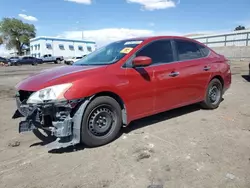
{"points": [[107, 20]]}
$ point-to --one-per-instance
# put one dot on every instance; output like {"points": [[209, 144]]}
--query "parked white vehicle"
{"points": [[72, 60], [50, 58]]}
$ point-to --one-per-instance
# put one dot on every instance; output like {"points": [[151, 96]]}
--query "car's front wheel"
{"points": [[213, 94], [57, 61], [101, 122], [34, 63]]}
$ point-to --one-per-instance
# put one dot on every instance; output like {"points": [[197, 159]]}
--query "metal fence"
{"points": [[236, 38]]}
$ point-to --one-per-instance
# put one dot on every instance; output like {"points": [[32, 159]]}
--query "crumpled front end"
{"points": [[62, 119]]}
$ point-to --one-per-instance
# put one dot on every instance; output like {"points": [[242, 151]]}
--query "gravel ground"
{"points": [[182, 148]]}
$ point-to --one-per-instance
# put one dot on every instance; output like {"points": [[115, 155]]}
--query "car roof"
{"points": [[151, 38]]}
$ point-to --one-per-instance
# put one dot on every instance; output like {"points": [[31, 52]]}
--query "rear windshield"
{"points": [[110, 53]]}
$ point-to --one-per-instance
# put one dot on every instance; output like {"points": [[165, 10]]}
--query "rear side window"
{"points": [[159, 51], [187, 50], [204, 50]]}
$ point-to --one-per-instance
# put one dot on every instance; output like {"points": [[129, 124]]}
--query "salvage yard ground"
{"points": [[187, 147]]}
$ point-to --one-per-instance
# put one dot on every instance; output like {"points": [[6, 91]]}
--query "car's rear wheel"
{"points": [[213, 95], [101, 122]]}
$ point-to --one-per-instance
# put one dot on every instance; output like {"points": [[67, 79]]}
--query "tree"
{"points": [[16, 34], [240, 27]]}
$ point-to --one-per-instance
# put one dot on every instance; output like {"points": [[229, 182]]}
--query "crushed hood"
{"points": [[53, 76]]}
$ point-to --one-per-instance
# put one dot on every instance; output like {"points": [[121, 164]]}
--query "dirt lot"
{"points": [[183, 148]]}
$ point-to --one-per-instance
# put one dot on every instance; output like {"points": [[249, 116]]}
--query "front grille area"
{"points": [[24, 95]]}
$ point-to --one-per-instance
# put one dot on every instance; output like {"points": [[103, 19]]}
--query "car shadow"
{"points": [[135, 125], [246, 77], [144, 122], [69, 149]]}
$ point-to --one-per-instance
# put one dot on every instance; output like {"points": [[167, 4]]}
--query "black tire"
{"points": [[213, 96], [101, 122], [57, 61], [44, 136]]}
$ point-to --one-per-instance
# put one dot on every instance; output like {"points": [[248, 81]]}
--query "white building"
{"points": [[40, 46]]}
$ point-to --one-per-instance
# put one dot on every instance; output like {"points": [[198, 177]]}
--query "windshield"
{"points": [[109, 54]]}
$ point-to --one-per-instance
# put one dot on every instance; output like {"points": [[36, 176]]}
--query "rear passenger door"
{"points": [[194, 70]]}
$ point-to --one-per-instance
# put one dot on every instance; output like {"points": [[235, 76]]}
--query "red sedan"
{"points": [[91, 100]]}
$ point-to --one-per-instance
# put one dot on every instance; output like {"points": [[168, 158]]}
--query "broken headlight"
{"points": [[52, 93]]}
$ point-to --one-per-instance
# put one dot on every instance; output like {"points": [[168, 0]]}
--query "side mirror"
{"points": [[141, 61]]}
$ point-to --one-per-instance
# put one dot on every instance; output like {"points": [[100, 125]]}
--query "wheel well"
{"points": [[219, 78], [119, 100]]}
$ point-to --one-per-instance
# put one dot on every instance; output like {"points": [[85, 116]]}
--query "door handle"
{"points": [[174, 74], [206, 68]]}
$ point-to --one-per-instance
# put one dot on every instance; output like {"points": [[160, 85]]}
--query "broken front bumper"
{"points": [[61, 119]]}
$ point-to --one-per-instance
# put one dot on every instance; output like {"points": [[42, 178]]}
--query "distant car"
{"points": [[90, 101], [50, 58], [3, 60], [28, 60], [13, 60], [72, 60]]}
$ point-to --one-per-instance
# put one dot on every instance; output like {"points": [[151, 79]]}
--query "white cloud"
{"points": [[107, 35], [29, 18], [87, 2], [23, 10], [154, 4]]}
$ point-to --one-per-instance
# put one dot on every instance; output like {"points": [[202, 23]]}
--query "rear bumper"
{"points": [[62, 120]]}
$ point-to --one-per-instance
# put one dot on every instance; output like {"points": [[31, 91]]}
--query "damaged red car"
{"points": [[90, 101]]}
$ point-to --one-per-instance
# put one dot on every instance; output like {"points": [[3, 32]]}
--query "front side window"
{"points": [[159, 51], [110, 53], [187, 50]]}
